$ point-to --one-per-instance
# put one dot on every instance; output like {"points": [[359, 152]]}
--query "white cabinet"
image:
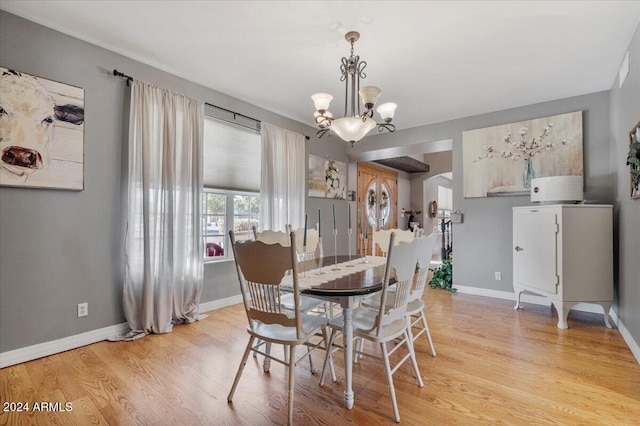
{"points": [[564, 252]]}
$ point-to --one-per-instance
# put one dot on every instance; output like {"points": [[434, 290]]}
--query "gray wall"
{"points": [[482, 244], [61, 248], [625, 113]]}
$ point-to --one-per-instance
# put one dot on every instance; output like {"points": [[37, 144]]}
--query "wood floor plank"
{"points": [[495, 365]]}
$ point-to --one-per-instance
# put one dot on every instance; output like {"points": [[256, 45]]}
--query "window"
{"points": [[444, 202], [227, 207], [231, 198]]}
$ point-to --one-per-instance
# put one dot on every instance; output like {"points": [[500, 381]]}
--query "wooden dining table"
{"points": [[359, 276]]}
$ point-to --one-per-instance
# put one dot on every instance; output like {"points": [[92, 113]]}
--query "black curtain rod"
{"points": [[235, 114]]}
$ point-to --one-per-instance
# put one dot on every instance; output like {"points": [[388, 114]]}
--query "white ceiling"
{"points": [[439, 60]]}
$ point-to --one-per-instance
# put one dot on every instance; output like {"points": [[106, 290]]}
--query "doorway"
{"points": [[377, 202]]}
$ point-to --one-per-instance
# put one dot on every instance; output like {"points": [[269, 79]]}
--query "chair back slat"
{"points": [[261, 267]]}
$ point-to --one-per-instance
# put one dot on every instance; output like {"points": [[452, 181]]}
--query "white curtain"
{"points": [[282, 186], [163, 247]]}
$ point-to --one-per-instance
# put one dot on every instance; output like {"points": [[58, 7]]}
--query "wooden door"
{"points": [[377, 200]]}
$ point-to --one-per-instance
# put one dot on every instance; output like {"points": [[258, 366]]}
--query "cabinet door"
{"points": [[535, 250]]}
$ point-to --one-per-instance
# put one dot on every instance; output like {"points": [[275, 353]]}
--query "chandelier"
{"points": [[357, 124]]}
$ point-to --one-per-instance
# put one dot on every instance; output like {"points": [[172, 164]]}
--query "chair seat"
{"points": [[307, 303], [363, 321], [277, 333], [415, 306]]}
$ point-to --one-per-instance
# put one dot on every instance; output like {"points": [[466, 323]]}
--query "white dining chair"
{"points": [[415, 307], [389, 322], [261, 268], [308, 304], [381, 238]]}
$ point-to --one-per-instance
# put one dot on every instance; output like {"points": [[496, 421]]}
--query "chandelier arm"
{"points": [[344, 66], [361, 66], [386, 126], [322, 132], [321, 120]]}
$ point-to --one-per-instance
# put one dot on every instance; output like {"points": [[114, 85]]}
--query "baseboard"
{"points": [[541, 300], [32, 352], [220, 303], [628, 338], [40, 350]]}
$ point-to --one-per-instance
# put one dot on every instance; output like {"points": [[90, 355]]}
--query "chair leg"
{"points": [[328, 358], [286, 353], [412, 352], [267, 361], [392, 391], [423, 318], [292, 369], [358, 347], [310, 361], [240, 368], [258, 343]]}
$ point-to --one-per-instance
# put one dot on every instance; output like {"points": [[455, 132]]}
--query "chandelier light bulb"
{"points": [[369, 95], [387, 110], [321, 101]]}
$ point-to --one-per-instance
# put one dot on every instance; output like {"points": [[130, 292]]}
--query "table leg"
{"points": [[347, 315]]}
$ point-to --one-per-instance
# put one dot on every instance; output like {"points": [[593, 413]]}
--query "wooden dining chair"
{"points": [[415, 306], [313, 249], [381, 238], [261, 268], [389, 324], [308, 304]]}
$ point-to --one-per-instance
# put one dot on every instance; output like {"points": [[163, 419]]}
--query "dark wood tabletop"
{"points": [[355, 284]]}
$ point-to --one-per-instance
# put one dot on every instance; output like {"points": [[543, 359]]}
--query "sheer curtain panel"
{"points": [[163, 247], [282, 185]]}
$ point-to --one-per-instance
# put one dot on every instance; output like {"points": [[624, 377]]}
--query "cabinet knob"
{"points": [[518, 248]]}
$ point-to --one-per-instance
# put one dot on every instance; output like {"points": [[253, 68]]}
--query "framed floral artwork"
{"points": [[502, 160], [327, 178], [633, 160]]}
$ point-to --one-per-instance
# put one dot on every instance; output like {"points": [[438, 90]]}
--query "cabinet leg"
{"points": [[607, 307], [518, 292], [563, 309]]}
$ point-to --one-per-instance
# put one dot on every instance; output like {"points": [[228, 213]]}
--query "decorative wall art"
{"points": [[502, 160], [633, 160], [42, 128], [327, 178]]}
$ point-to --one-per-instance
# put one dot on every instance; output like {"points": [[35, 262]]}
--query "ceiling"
{"points": [[439, 60]]}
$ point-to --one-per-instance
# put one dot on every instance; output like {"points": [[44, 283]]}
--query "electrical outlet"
{"points": [[498, 276], [83, 309]]}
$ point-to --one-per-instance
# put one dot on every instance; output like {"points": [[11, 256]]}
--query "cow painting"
{"points": [[41, 132]]}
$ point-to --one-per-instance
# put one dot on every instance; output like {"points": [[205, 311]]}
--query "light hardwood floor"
{"points": [[494, 366]]}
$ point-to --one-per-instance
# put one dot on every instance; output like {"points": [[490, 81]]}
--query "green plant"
{"points": [[443, 276]]}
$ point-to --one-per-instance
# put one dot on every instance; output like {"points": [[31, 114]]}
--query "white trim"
{"points": [[40, 350], [628, 338], [220, 303], [541, 300]]}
